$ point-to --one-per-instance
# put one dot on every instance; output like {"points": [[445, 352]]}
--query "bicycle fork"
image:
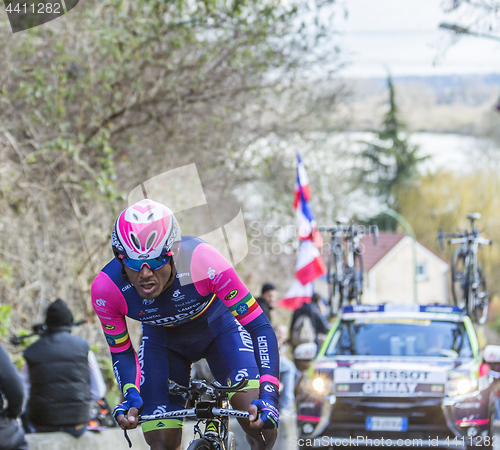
{"points": [[214, 433]]}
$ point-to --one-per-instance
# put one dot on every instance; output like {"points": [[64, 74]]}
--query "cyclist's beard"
{"points": [[171, 279]]}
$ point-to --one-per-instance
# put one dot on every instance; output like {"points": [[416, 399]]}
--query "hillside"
{"points": [[445, 104]]}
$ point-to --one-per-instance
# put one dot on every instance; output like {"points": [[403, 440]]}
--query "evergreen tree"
{"points": [[389, 162]]}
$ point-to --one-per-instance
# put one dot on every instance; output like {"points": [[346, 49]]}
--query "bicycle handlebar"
{"points": [[478, 240], [460, 238], [191, 412], [351, 230], [201, 387], [466, 236]]}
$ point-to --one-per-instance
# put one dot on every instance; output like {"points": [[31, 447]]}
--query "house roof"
{"points": [[373, 253], [436, 254]]}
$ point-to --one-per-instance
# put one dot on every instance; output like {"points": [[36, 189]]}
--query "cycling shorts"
{"points": [[168, 352]]}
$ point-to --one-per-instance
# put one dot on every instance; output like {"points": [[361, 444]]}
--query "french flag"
{"points": [[306, 221], [310, 264], [296, 296]]}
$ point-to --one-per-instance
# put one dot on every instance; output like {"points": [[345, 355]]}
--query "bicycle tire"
{"points": [[337, 294], [358, 278], [231, 441], [458, 279], [470, 294], [336, 300], [330, 279], [480, 298], [199, 444]]}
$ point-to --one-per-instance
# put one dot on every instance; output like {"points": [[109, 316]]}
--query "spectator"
{"points": [[288, 372], [267, 299], [318, 322], [63, 376], [11, 389]]}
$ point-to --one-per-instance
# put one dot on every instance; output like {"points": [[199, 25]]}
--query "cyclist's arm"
{"points": [[212, 273], [111, 308]]}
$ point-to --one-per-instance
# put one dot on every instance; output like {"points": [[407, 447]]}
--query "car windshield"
{"points": [[400, 337]]}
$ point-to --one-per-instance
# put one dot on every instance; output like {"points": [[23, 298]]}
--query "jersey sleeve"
{"points": [[213, 274], [111, 308]]}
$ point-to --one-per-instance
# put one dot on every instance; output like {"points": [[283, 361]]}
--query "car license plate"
{"points": [[386, 423]]}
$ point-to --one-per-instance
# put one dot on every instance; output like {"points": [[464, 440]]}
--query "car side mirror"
{"points": [[491, 355], [304, 354]]}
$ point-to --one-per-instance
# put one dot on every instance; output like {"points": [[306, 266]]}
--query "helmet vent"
{"points": [[151, 217], [135, 241], [151, 240], [135, 217]]}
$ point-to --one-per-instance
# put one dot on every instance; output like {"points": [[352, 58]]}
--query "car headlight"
{"points": [[461, 386], [319, 385]]}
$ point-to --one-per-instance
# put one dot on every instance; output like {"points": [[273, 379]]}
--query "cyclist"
{"points": [[192, 305]]}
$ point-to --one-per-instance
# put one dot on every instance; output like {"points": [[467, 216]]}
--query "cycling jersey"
{"points": [[205, 287]]}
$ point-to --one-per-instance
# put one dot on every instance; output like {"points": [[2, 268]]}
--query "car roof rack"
{"points": [[403, 307]]}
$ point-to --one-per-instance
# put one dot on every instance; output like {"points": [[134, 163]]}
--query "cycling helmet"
{"points": [[145, 233]]}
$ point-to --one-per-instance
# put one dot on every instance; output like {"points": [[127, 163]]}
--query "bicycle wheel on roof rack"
{"points": [[480, 298], [357, 281], [459, 279], [330, 281], [336, 286]]}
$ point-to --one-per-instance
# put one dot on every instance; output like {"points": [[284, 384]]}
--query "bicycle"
{"points": [[214, 414], [345, 268], [467, 276]]}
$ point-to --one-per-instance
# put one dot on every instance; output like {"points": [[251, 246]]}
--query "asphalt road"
{"points": [[287, 436]]}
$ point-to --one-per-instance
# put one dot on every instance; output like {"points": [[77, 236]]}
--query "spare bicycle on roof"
{"points": [[468, 282], [345, 263]]}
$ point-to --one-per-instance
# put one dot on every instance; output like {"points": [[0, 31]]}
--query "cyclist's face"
{"points": [[150, 283]]}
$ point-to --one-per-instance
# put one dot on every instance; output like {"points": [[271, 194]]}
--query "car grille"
{"points": [[425, 416]]}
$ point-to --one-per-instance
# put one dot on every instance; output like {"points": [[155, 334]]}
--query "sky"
{"points": [[404, 36]]}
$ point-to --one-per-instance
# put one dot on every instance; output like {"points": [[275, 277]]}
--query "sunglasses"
{"points": [[153, 264]]}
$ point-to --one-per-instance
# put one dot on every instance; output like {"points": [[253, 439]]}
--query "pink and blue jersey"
{"points": [[205, 287]]}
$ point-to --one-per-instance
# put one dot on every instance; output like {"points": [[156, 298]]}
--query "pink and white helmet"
{"points": [[145, 231]]}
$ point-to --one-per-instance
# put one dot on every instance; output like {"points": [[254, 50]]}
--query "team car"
{"points": [[398, 375]]}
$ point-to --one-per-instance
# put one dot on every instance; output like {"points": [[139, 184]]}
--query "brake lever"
{"points": [[127, 438]]}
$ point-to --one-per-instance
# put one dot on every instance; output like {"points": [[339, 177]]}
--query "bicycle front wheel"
{"points": [[458, 279], [231, 441], [330, 278], [335, 299], [358, 278], [199, 444], [480, 297]]}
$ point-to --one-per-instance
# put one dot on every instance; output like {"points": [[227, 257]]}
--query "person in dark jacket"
{"points": [[318, 320], [11, 391], [59, 376], [267, 299]]}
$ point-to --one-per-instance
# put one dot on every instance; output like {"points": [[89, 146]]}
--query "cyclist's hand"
{"points": [[127, 412], [267, 405], [130, 421]]}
